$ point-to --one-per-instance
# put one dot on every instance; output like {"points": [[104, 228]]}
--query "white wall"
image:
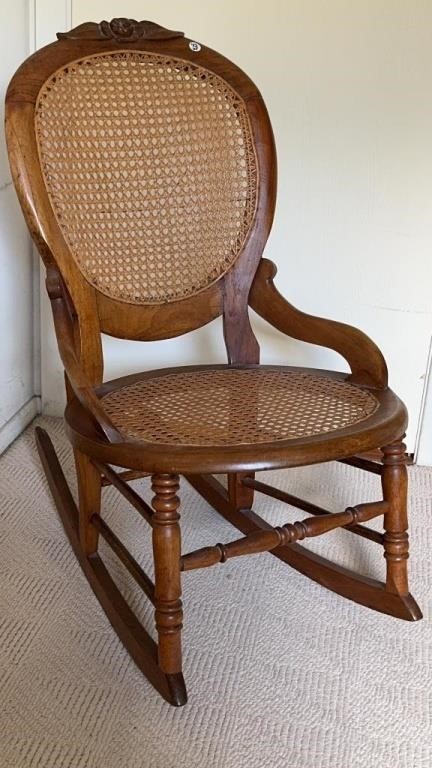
{"points": [[17, 385], [347, 84]]}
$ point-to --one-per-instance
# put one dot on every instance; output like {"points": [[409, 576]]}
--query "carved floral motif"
{"points": [[120, 30]]}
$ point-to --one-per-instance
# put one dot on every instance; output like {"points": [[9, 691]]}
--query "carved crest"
{"points": [[120, 30]]}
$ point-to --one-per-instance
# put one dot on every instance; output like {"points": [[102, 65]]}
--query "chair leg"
{"points": [[384, 597], [166, 552], [240, 496], [89, 494], [396, 548], [138, 642]]}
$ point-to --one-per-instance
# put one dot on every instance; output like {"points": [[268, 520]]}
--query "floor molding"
{"points": [[423, 446], [19, 421]]}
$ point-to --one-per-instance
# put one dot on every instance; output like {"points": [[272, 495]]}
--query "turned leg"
{"points": [[240, 496], [89, 494], [166, 552], [395, 484]]}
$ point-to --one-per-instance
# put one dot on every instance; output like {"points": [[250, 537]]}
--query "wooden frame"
{"points": [[82, 312]]}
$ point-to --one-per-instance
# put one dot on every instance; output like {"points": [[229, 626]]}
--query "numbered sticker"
{"points": [[194, 46]]}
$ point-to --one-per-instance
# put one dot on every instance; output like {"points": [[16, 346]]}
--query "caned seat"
{"points": [[145, 166], [266, 415], [236, 406]]}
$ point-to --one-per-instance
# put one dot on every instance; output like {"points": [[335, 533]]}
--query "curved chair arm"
{"points": [[78, 379], [368, 367]]}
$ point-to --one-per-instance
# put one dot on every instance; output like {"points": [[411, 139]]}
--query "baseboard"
{"points": [[423, 446], [19, 421]]}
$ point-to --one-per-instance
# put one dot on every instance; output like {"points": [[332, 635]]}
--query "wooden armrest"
{"points": [[77, 377], [367, 364]]}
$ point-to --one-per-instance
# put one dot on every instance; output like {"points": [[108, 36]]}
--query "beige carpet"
{"points": [[280, 672]]}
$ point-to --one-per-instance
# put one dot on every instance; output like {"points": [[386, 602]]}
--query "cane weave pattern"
{"points": [[151, 171], [236, 406]]}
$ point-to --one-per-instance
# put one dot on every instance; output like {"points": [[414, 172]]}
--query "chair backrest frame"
{"points": [[92, 311]]}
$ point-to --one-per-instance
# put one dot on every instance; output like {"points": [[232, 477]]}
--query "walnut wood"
{"points": [[241, 494], [265, 541], [127, 475], [40, 220], [374, 456], [89, 494], [367, 364], [368, 466], [150, 322], [162, 321], [120, 30], [313, 509], [344, 582], [82, 313], [132, 496], [240, 341], [137, 641], [125, 557], [389, 419], [115, 317], [66, 335], [394, 480], [166, 549]]}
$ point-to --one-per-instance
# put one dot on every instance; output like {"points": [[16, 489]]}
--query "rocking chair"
{"points": [[145, 166]]}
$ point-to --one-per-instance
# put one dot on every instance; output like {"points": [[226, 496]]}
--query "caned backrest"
{"points": [[145, 166], [151, 172]]}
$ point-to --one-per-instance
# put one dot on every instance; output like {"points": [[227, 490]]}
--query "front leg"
{"points": [[395, 486], [166, 552]]}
